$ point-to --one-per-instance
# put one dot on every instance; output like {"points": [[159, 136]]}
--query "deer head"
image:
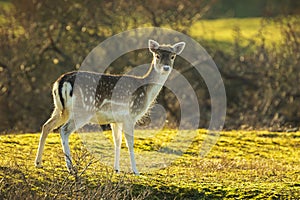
{"points": [[164, 55]]}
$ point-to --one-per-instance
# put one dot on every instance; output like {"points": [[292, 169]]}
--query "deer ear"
{"points": [[178, 47], [153, 45]]}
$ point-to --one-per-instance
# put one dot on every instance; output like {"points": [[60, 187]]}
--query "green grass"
{"points": [[226, 30], [242, 165]]}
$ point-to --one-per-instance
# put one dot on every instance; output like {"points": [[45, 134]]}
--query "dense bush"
{"points": [[261, 78]]}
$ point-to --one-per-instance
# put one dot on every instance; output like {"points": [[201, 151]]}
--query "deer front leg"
{"points": [[128, 129], [117, 136]]}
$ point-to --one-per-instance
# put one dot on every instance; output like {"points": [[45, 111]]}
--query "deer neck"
{"points": [[154, 82]]}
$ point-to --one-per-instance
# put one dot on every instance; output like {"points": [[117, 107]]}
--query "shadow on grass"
{"points": [[19, 184]]}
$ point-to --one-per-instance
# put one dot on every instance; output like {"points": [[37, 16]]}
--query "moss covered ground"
{"points": [[242, 165]]}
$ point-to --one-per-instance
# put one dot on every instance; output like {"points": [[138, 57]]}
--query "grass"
{"points": [[225, 31], [242, 165]]}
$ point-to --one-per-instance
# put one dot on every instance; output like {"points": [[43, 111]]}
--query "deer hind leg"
{"points": [[69, 127], [53, 122], [128, 129], [117, 136], [65, 132]]}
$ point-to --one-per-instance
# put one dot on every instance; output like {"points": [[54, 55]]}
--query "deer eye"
{"points": [[172, 57], [157, 56]]}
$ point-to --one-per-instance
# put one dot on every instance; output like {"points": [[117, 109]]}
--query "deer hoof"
{"points": [[72, 170], [136, 173], [38, 164]]}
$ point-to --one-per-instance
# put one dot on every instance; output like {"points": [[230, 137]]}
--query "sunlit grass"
{"points": [[227, 30], [242, 165]]}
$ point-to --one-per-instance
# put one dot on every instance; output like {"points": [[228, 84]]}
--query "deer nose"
{"points": [[166, 68]]}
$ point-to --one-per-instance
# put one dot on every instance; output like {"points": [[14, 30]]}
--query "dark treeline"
{"points": [[253, 8], [39, 40]]}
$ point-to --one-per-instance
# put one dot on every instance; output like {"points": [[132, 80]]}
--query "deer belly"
{"points": [[106, 117]]}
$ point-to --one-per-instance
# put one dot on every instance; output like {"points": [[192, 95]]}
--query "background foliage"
{"points": [[39, 40]]}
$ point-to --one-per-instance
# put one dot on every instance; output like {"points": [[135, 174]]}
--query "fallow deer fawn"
{"points": [[85, 97]]}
